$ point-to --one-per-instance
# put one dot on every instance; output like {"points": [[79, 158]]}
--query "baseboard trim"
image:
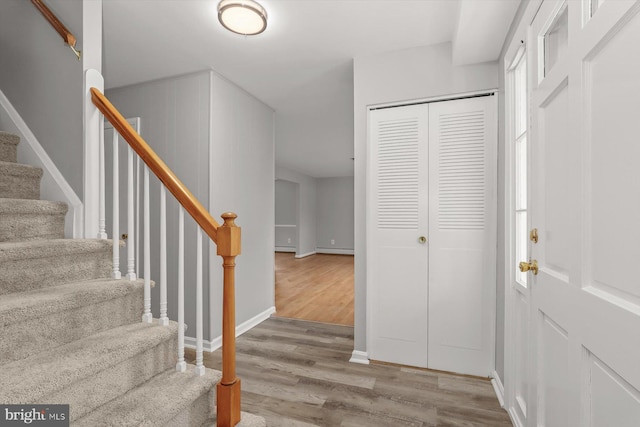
{"points": [[498, 387], [514, 419], [305, 255], [53, 185], [361, 357], [334, 251], [207, 346], [285, 249], [216, 343], [254, 321]]}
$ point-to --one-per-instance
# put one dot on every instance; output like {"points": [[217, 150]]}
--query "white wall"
{"points": [[404, 75], [286, 215], [242, 180], [194, 123], [307, 222], [335, 214], [44, 81]]}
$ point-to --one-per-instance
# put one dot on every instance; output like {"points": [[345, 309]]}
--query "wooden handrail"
{"points": [[157, 166], [227, 238], [66, 35]]}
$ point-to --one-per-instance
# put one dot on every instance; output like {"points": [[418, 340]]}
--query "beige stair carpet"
{"points": [[70, 334]]}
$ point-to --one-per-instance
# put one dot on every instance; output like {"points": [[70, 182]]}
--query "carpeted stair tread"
{"points": [[19, 181], [8, 147], [11, 251], [161, 401], [57, 315], [40, 263], [32, 379], [25, 219], [18, 306]]}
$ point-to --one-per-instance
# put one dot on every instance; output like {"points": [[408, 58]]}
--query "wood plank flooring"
{"points": [[318, 288], [297, 374]]}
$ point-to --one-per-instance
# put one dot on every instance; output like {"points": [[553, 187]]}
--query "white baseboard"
{"points": [[53, 185], [216, 343], [361, 357], [306, 255], [334, 251], [498, 387], [514, 419], [208, 346], [284, 249], [254, 321]]}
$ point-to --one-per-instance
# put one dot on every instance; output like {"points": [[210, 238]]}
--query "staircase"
{"points": [[70, 334]]}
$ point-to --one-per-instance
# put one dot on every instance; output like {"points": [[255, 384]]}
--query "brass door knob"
{"points": [[422, 240], [529, 266]]}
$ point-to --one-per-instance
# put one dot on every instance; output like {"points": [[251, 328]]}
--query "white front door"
{"points": [[462, 233], [397, 233], [585, 203]]}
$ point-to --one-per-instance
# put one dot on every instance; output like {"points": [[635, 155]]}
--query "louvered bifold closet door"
{"points": [[397, 264], [462, 231]]}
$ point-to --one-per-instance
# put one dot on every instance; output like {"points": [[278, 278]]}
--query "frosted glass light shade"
{"points": [[242, 16]]}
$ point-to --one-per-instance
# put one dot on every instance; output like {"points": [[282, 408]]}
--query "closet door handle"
{"points": [[422, 240]]}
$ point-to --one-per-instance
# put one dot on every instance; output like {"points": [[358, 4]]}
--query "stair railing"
{"points": [[66, 35], [226, 237]]}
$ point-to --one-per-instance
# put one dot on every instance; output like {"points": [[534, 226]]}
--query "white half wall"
{"points": [[306, 205], [399, 76]]}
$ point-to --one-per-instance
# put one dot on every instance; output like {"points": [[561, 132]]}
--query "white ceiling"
{"points": [[301, 65]]}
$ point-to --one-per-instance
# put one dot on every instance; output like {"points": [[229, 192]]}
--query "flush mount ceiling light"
{"points": [[244, 17]]}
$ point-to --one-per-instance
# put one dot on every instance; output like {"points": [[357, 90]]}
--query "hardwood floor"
{"points": [[297, 374], [317, 288]]}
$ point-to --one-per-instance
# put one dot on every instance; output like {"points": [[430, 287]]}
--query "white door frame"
{"points": [[519, 39]]}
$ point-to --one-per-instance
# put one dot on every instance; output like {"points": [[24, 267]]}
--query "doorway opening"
{"points": [[314, 265], [317, 288]]}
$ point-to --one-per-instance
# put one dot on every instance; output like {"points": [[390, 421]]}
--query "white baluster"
{"points": [[164, 320], [131, 256], [181, 366], [146, 316], [116, 210], [199, 365], [102, 223], [138, 215]]}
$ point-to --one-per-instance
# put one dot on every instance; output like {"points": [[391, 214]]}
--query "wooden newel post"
{"points": [[229, 386]]}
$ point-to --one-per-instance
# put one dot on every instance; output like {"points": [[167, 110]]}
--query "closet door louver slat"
{"points": [[398, 174], [462, 171]]}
